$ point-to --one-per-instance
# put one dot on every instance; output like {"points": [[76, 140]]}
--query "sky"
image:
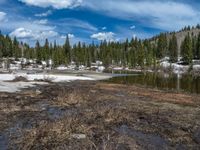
{"points": [[94, 20]]}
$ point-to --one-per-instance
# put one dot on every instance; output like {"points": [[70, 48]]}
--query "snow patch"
{"points": [[196, 67], [51, 77], [62, 68], [12, 87], [176, 68], [7, 86], [165, 64]]}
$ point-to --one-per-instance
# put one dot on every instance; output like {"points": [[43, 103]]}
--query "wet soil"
{"points": [[98, 115]]}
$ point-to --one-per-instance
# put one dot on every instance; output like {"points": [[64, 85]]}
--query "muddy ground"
{"points": [[98, 115]]}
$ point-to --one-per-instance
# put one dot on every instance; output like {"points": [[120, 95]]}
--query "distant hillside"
{"points": [[182, 34]]}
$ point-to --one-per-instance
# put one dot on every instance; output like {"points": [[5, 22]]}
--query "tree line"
{"points": [[131, 53]]}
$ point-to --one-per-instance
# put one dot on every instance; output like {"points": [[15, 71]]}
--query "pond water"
{"points": [[178, 83]]}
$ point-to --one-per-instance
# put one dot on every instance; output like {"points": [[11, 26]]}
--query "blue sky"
{"points": [[94, 20]]}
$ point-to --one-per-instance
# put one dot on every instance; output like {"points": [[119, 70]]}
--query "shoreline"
{"points": [[15, 82]]}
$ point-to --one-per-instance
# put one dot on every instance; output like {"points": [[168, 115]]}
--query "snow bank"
{"points": [[12, 87], [118, 68], [7, 86], [62, 68], [51, 77], [196, 67], [101, 68], [176, 68], [165, 64]]}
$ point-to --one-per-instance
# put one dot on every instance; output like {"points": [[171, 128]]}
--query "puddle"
{"points": [[15, 131], [55, 113], [3, 142], [150, 141], [21, 124], [196, 136]]}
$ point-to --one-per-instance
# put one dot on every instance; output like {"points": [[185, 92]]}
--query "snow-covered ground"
{"points": [[179, 69], [12, 87], [176, 68], [50, 77], [7, 86]]}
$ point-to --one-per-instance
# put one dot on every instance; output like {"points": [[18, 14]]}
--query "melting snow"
{"points": [[7, 86], [12, 87], [51, 77]]}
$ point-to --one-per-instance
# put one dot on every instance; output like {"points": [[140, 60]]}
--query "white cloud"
{"points": [[69, 35], [2, 16], [75, 23], [108, 36], [168, 15], [123, 32], [46, 34], [23, 33], [134, 36], [42, 21], [57, 4], [45, 14], [132, 27], [104, 28]]}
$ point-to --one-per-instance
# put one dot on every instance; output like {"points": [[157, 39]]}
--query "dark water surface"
{"points": [[179, 83]]}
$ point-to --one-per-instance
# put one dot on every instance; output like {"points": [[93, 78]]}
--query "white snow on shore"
{"points": [[7, 86], [176, 68], [50, 77], [196, 67], [12, 87]]}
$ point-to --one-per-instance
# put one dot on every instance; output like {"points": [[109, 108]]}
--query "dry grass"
{"points": [[72, 97], [97, 110]]}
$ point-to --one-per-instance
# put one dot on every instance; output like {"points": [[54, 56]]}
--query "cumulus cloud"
{"points": [[69, 35], [108, 36], [2, 16], [57, 4], [23, 33], [45, 14]]}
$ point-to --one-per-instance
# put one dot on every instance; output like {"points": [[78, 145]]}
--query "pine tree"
{"points": [[67, 49], [198, 47], [46, 50], [16, 49], [186, 50], [173, 49], [141, 54], [194, 46], [161, 46], [148, 53], [38, 51]]}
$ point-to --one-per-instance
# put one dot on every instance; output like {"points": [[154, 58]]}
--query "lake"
{"points": [[177, 83]]}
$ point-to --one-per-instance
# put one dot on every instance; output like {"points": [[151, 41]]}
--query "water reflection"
{"points": [[174, 82]]}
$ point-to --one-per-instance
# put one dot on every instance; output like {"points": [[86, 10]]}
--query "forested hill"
{"points": [[131, 53], [183, 33]]}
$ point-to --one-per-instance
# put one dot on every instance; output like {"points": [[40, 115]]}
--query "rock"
{"points": [[38, 92], [78, 136], [20, 78]]}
